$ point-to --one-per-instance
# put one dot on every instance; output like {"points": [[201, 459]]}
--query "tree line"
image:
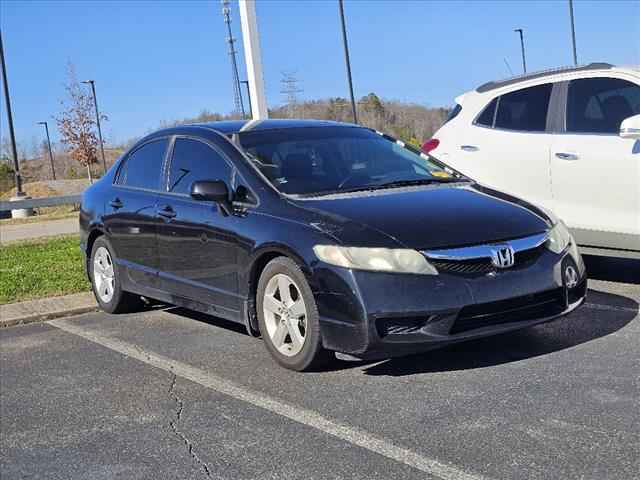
{"points": [[78, 150]]}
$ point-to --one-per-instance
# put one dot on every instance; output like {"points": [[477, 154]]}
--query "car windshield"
{"points": [[323, 160]]}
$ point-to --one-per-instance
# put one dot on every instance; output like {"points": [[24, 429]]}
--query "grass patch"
{"points": [[41, 268]]}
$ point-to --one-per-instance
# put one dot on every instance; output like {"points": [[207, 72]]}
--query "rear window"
{"points": [[453, 113]]}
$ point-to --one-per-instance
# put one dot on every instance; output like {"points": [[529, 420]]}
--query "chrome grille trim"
{"points": [[484, 251]]}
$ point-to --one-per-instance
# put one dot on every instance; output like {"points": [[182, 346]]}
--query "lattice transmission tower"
{"points": [[290, 90], [237, 93]]}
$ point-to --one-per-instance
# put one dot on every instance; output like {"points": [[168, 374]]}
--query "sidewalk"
{"points": [[11, 233], [46, 309]]}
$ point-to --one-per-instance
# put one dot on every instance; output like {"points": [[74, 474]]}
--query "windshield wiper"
{"points": [[422, 181], [381, 186]]}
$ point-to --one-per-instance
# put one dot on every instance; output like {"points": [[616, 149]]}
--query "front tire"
{"points": [[288, 317], [105, 280]]}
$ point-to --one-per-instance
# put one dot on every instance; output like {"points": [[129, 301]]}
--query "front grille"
{"points": [[522, 259], [518, 309]]}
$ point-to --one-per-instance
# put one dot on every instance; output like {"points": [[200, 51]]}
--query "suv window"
{"points": [[524, 110], [488, 114], [192, 161], [599, 105], [143, 167], [453, 113]]}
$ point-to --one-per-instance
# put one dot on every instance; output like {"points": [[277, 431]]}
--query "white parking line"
{"points": [[613, 308], [306, 417]]}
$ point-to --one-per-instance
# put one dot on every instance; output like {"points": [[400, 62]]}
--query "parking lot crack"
{"points": [[174, 427]]}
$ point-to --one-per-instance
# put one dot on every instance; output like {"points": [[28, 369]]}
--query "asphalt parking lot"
{"points": [[170, 393]]}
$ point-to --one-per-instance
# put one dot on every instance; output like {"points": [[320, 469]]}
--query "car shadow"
{"points": [[208, 319], [625, 270], [596, 319]]}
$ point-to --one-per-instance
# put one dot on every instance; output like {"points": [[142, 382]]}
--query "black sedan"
{"points": [[322, 237]]}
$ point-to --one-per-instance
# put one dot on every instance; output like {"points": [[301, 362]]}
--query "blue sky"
{"points": [[162, 60]]}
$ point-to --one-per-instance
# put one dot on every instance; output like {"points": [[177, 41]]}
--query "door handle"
{"points": [[116, 203], [167, 212], [566, 156], [469, 148]]}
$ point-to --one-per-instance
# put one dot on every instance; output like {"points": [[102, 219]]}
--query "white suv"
{"points": [[566, 139]]}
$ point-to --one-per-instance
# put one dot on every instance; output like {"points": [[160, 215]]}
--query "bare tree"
{"points": [[76, 123]]}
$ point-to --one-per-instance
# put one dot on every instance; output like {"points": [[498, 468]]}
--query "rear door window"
{"points": [[143, 167], [488, 114], [193, 161], [524, 110], [599, 105]]}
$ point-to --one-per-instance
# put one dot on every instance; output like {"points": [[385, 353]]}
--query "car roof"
{"points": [[494, 84], [229, 127]]}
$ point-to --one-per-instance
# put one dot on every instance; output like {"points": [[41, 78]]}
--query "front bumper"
{"points": [[372, 314]]}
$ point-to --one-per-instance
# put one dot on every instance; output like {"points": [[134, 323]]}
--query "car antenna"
{"points": [[508, 66]]}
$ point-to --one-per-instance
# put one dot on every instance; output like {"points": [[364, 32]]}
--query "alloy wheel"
{"points": [[285, 315], [103, 274]]}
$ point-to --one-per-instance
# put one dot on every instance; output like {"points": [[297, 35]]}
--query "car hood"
{"points": [[428, 217]]}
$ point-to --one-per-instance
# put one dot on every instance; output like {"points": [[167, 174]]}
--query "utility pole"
{"points": [[253, 60], [524, 61], [347, 61], [14, 150], [246, 84], [573, 33], [237, 93], [95, 103], [46, 128]]}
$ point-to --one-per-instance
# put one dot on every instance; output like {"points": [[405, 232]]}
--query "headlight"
{"points": [[376, 259], [559, 238]]}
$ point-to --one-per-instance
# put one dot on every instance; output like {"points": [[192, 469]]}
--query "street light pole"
{"points": [[246, 84], [524, 61], [14, 150], [347, 61], [253, 58], [573, 33], [95, 103], [46, 128]]}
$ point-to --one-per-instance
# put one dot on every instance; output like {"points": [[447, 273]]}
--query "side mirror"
{"points": [[630, 128], [210, 190]]}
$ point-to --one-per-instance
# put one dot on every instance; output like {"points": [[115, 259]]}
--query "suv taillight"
{"points": [[430, 145]]}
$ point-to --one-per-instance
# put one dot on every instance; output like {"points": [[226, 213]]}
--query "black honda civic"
{"points": [[322, 237]]}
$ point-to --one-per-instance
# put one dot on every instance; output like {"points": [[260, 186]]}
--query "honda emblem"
{"points": [[502, 256]]}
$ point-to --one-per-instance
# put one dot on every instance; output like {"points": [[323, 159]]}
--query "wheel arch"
{"points": [[259, 260], [94, 234]]}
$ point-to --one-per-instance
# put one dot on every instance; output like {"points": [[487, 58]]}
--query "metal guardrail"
{"points": [[40, 202]]}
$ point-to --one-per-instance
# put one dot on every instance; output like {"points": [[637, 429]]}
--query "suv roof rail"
{"points": [[485, 87]]}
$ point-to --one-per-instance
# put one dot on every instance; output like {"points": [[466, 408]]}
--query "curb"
{"points": [[43, 309]]}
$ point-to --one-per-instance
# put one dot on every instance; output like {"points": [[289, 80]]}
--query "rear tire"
{"points": [[105, 280], [288, 317]]}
